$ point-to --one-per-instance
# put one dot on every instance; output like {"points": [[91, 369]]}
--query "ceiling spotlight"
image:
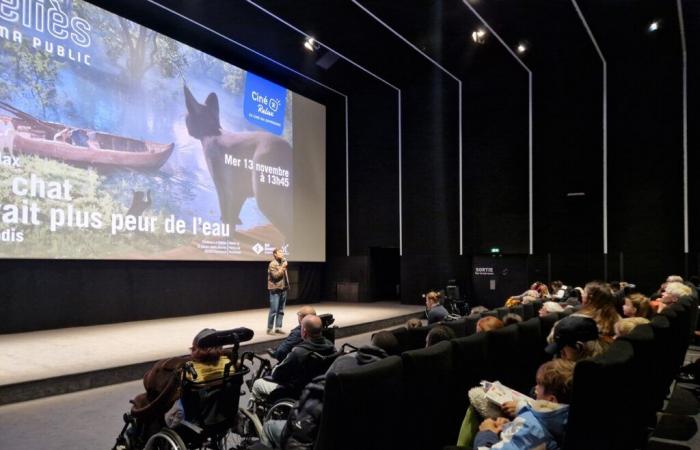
{"points": [[311, 45], [521, 48], [654, 26], [479, 36]]}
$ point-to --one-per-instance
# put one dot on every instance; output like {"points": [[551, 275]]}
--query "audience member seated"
{"points": [[294, 337], [541, 289], [550, 308], [558, 289], [599, 304], [439, 333], [529, 296], [539, 425], [488, 323], [626, 325], [307, 411], [511, 318], [208, 363], [434, 310], [413, 323], [292, 371], [575, 338], [477, 311], [670, 294], [637, 305], [513, 302]]}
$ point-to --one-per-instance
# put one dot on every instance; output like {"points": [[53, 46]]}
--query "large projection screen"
{"points": [[121, 143]]}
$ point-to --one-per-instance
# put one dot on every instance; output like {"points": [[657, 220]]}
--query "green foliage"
{"points": [[89, 196], [134, 47], [234, 79], [34, 72]]}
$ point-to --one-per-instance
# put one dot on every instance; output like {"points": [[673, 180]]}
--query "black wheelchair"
{"points": [[278, 404], [211, 408]]}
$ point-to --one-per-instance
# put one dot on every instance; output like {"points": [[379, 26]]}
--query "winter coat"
{"points": [[539, 426]]}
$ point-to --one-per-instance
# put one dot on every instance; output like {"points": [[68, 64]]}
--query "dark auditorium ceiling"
{"points": [[441, 28]]}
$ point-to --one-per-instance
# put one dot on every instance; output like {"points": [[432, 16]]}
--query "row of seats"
{"points": [[416, 401]]}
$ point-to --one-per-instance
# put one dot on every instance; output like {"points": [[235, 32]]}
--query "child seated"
{"points": [[538, 425]]}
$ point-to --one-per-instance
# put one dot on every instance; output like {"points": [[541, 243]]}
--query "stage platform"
{"points": [[51, 362]]}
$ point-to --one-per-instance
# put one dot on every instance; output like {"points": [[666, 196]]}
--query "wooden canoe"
{"points": [[105, 150]]}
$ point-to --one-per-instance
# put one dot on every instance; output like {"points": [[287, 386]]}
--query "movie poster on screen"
{"points": [[121, 143]]}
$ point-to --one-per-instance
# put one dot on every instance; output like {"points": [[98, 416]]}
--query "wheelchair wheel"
{"points": [[245, 433], [165, 439], [280, 410]]}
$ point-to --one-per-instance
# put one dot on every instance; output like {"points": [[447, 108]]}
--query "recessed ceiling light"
{"points": [[521, 48], [479, 36], [654, 26], [311, 45]]}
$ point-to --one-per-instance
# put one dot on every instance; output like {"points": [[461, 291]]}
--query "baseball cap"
{"points": [[571, 330]]}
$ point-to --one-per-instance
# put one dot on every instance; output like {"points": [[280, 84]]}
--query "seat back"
{"points": [[663, 359], [411, 339], [519, 310], [213, 405], [532, 353], [368, 397], [503, 354], [643, 407], [458, 326], [426, 418], [528, 311], [501, 312], [470, 366], [598, 416], [546, 324], [470, 325]]}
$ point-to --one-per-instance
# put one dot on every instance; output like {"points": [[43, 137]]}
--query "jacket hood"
{"points": [[551, 415]]}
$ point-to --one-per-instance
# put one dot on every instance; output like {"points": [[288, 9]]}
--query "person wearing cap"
{"points": [[575, 338], [294, 337]]}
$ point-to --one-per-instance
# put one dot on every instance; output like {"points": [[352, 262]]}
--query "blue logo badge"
{"points": [[264, 103]]}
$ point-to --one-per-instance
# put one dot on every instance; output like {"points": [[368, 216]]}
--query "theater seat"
{"points": [[519, 310], [411, 339], [532, 353], [546, 324], [361, 407], [458, 326], [428, 391], [470, 366], [503, 354], [598, 418], [501, 312], [528, 311], [470, 325]]}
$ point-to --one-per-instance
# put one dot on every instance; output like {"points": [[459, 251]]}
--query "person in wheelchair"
{"points": [[293, 373], [299, 430], [294, 338], [167, 380], [207, 363]]}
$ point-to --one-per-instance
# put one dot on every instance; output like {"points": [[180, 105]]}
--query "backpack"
{"points": [[305, 417]]}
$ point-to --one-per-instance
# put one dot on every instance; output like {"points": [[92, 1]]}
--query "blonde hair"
{"points": [[557, 378], [433, 296], [678, 289], [600, 306], [625, 326], [641, 304], [512, 302]]}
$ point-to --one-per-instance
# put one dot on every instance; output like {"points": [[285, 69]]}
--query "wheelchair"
{"points": [[211, 409], [280, 402]]}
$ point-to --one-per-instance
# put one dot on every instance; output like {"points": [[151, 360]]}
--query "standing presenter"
{"points": [[277, 284]]}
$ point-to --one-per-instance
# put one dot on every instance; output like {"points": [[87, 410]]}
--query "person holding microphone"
{"points": [[277, 284]]}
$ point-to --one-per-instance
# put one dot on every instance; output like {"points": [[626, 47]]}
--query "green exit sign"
{"points": [[495, 250]]}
